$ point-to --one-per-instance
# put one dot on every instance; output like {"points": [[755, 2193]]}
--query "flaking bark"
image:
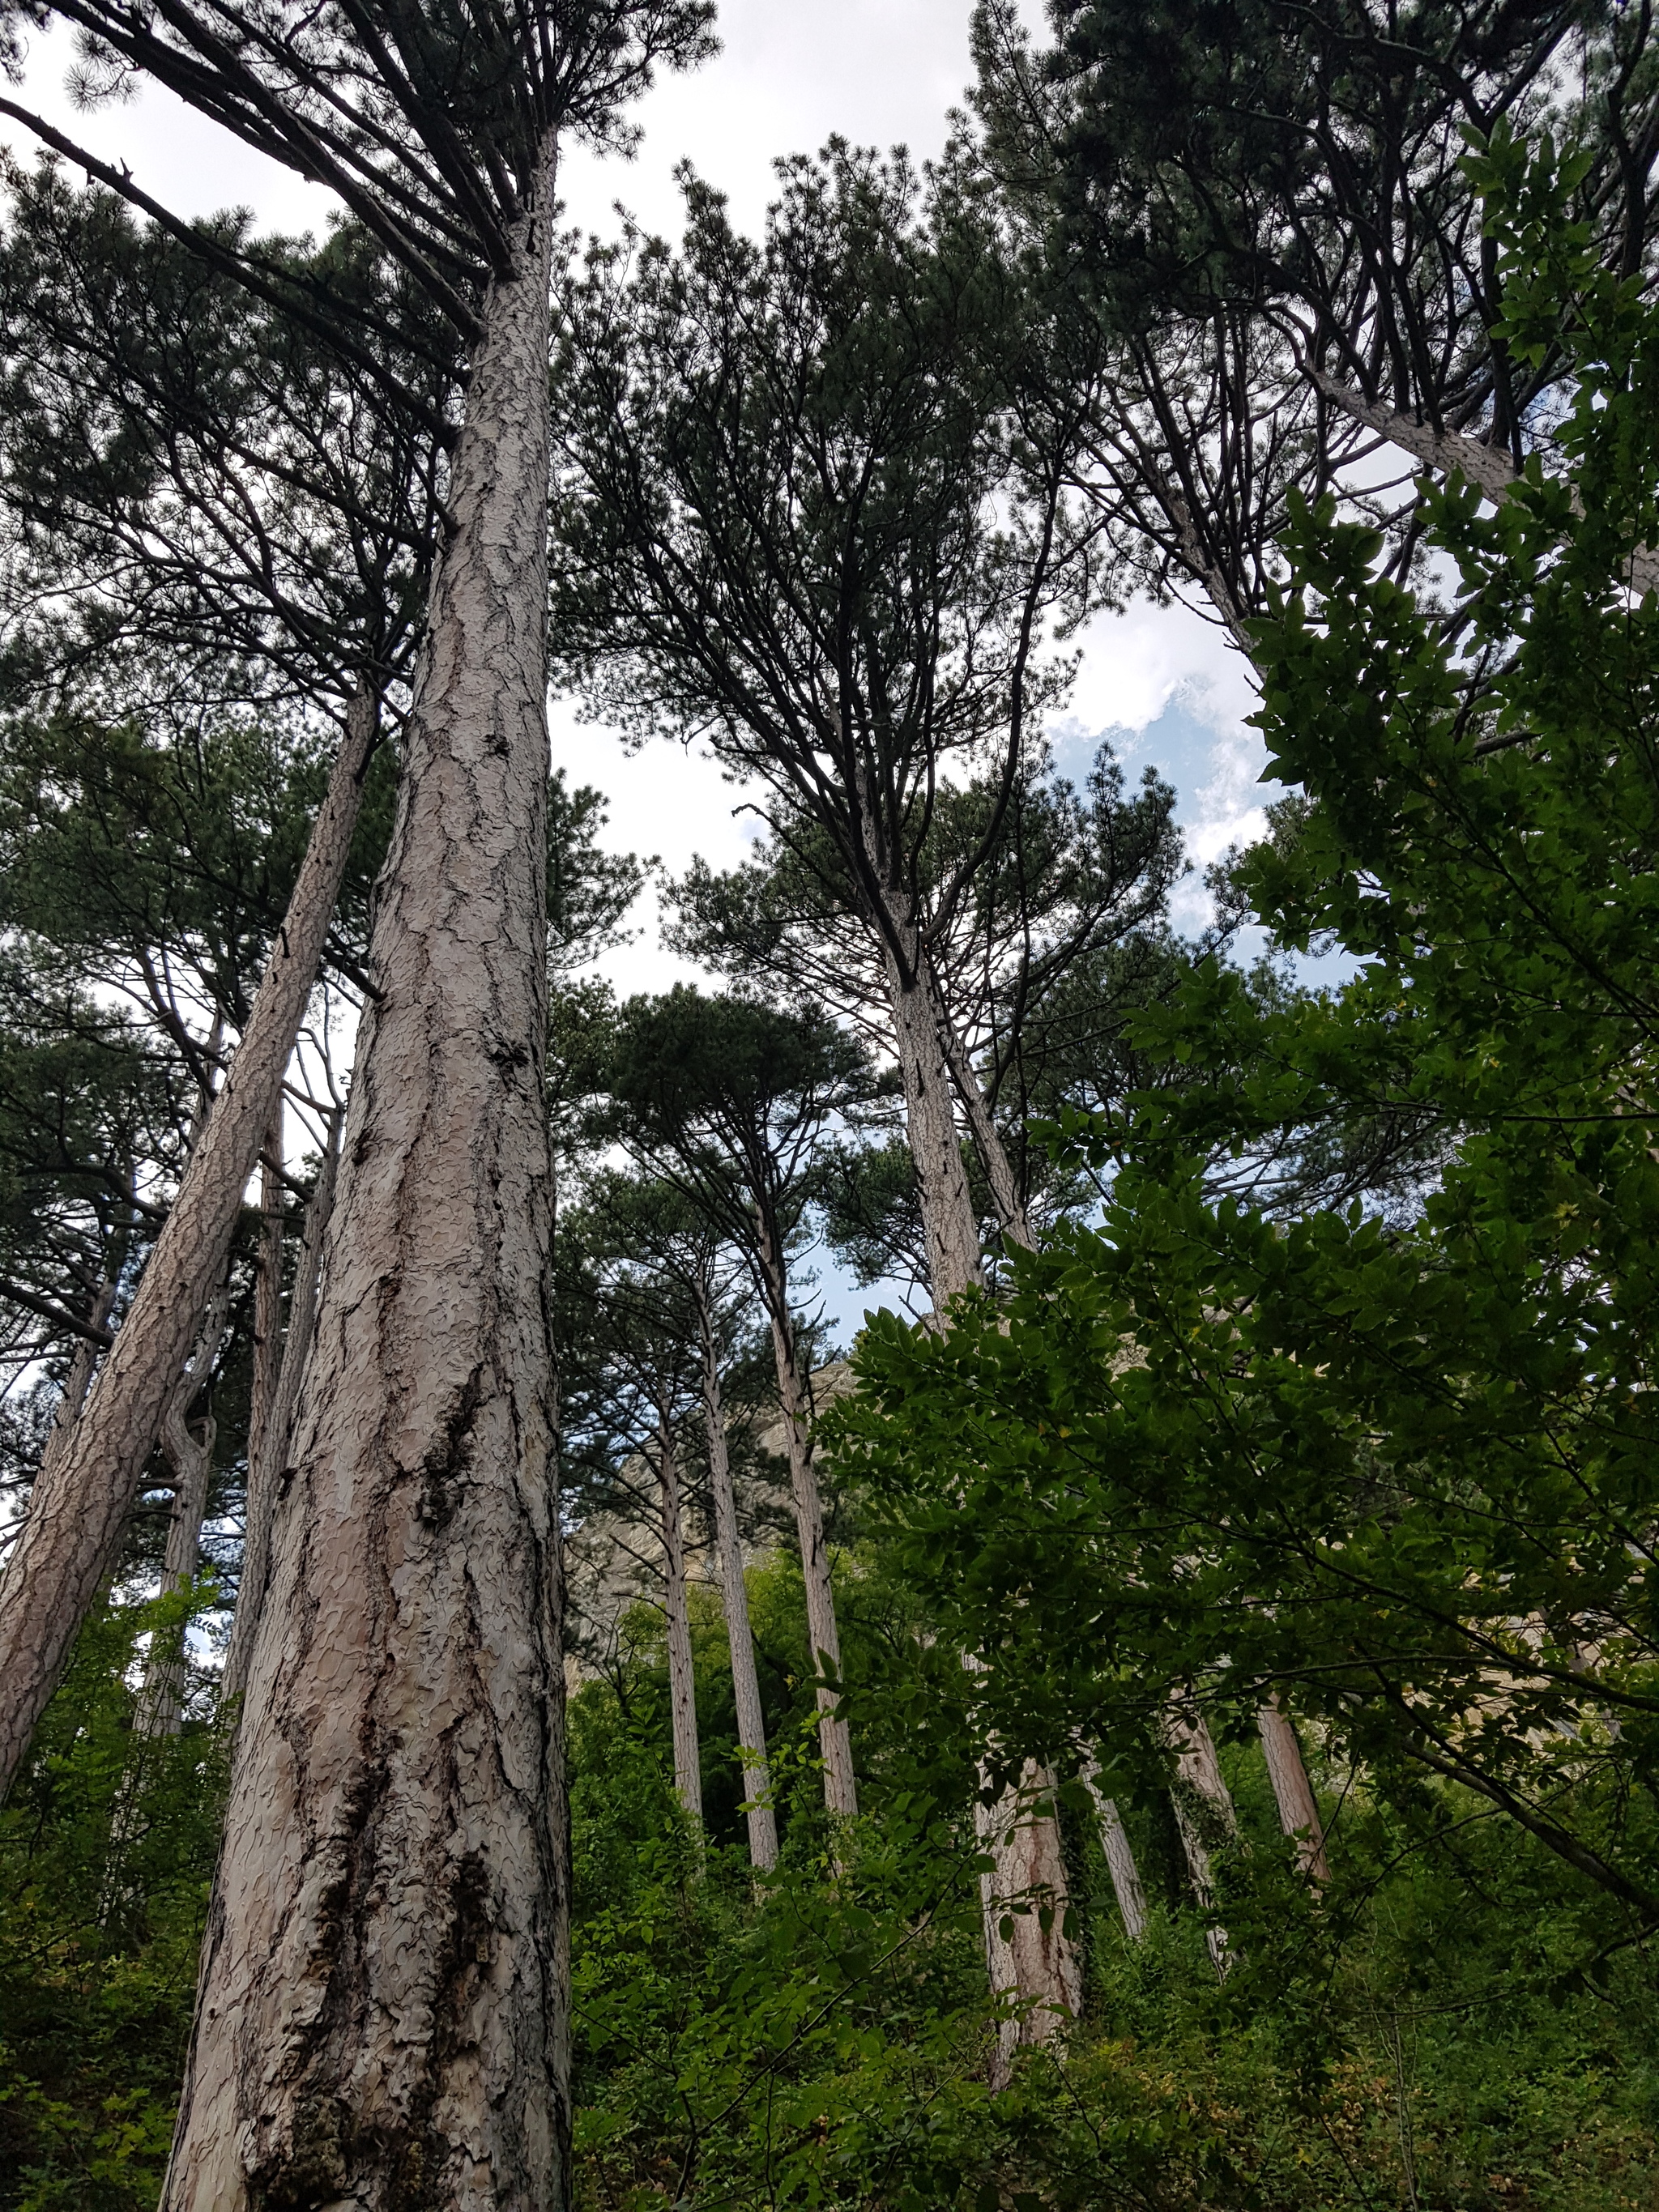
{"points": [[383, 2013]]}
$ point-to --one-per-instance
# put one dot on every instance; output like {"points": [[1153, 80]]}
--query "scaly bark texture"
{"points": [[82, 1496], [1028, 1952], [745, 1683], [682, 1681], [189, 1455], [840, 1785], [1299, 1809], [268, 1455], [1120, 1857], [382, 2021]]}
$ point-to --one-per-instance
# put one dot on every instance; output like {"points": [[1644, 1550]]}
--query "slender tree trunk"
{"points": [[81, 1503], [1204, 1812], [987, 1138], [1028, 1952], [1299, 1809], [1022, 1838], [1120, 1857], [745, 1684], [78, 1381], [840, 1785], [682, 1678], [267, 1297], [267, 1462], [930, 1125], [383, 2016], [189, 1455]]}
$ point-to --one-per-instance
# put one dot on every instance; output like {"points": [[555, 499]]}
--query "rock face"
{"points": [[615, 1561]]}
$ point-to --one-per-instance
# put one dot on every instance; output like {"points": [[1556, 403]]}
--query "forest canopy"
{"points": [[507, 1698]]}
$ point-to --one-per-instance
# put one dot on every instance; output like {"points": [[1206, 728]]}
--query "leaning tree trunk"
{"points": [[382, 2020], [81, 1499], [1204, 1812], [1012, 1214], [681, 1677], [268, 1455], [1299, 1809], [77, 1382], [840, 1785], [1120, 1856], [189, 1455], [745, 1683]]}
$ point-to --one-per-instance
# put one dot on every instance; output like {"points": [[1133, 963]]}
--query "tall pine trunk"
{"points": [[728, 1545], [840, 1784], [267, 1297], [1022, 1898], [268, 1450], [930, 1121], [1021, 1834], [83, 1496], [1204, 1812], [682, 1678], [1299, 1809], [382, 2018], [189, 1455], [1011, 1213], [1120, 1856]]}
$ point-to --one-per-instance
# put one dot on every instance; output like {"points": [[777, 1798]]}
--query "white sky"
{"points": [[791, 73]]}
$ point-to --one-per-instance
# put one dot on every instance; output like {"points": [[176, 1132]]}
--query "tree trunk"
{"points": [[81, 1502], [1120, 1857], [930, 1123], [267, 1297], [383, 2017], [1019, 1838], [1299, 1809], [189, 1455], [682, 1678], [268, 1459], [1489, 468], [78, 1381], [840, 1786], [746, 1685], [987, 1138], [1030, 1954], [1204, 1813]]}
